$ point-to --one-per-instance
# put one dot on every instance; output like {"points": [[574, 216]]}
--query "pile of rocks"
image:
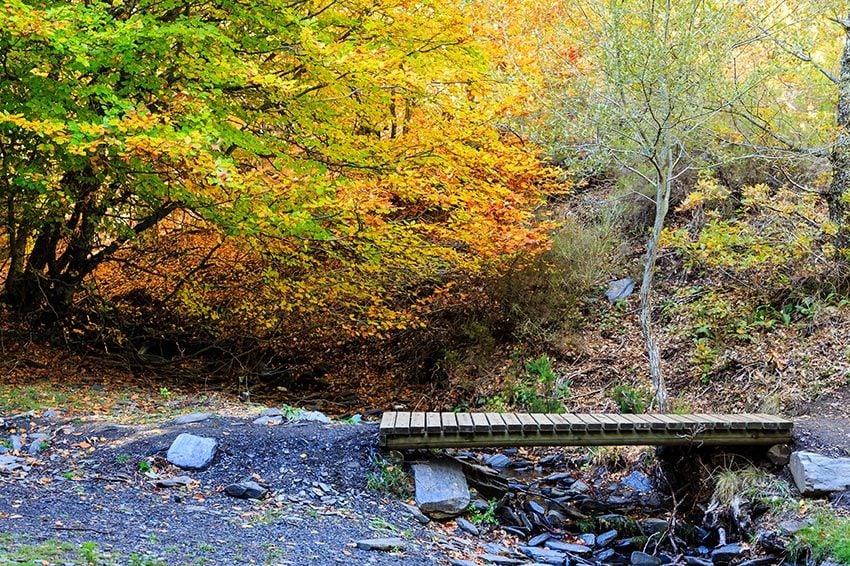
{"points": [[570, 517]]}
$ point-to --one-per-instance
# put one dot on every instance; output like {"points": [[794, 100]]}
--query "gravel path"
{"points": [[87, 486], [823, 425]]}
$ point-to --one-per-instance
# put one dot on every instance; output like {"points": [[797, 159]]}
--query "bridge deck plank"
{"points": [[438, 430]]}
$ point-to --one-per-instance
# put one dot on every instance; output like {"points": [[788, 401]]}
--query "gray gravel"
{"points": [[317, 507]]}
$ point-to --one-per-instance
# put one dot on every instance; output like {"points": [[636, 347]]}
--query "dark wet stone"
{"points": [[498, 461], [525, 522], [697, 561], [654, 525], [562, 477], [520, 464], [779, 454], [467, 526], [637, 481], [383, 544], [624, 544], [508, 516], [539, 539], [496, 548], [764, 561], [605, 538], [588, 539], [550, 460], [726, 553], [579, 486], [516, 531], [536, 507], [638, 558], [617, 501]]}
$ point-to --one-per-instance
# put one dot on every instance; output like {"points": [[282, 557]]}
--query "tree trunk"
{"points": [[662, 202], [840, 160], [46, 280]]}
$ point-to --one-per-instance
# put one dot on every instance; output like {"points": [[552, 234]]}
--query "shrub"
{"points": [[631, 399], [540, 390]]}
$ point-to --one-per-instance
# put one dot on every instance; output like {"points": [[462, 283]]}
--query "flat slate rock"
{"points": [[192, 418], [815, 474], [269, 420], [502, 560], [567, 547], [544, 555], [192, 452], [441, 489], [178, 481], [246, 490], [414, 511], [467, 527], [384, 544]]}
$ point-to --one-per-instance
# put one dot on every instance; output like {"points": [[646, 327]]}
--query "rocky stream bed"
{"points": [[282, 488]]}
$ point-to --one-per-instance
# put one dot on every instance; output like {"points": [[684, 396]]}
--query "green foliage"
{"points": [[89, 552], [703, 357], [145, 467], [16, 550], [387, 477], [631, 399], [485, 517], [142, 560], [344, 152], [122, 458], [16, 398], [165, 393], [827, 537], [538, 389]]}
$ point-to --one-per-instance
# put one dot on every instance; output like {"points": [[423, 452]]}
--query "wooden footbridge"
{"points": [[471, 430]]}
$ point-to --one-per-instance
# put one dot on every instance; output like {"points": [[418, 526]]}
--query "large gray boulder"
{"points": [[815, 474], [191, 452], [441, 489]]}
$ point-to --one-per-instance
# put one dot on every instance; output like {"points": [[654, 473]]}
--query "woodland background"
{"points": [[364, 203]]}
